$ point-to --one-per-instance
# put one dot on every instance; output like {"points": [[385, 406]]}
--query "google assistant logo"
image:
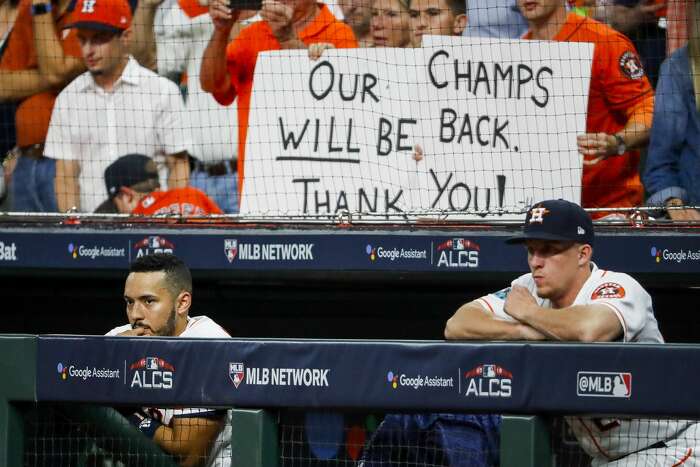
{"points": [[73, 250], [372, 252], [656, 253], [393, 379], [62, 371]]}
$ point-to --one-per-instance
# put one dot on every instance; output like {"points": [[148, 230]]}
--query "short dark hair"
{"points": [[177, 275], [458, 7]]}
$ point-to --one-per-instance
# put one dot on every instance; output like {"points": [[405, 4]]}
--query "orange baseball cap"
{"points": [[102, 15]]}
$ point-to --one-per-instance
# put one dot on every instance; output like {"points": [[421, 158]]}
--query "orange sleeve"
{"points": [[643, 111], [341, 36], [623, 78]]}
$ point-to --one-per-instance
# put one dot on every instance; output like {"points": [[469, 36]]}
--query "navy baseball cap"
{"points": [[128, 171], [558, 220]]}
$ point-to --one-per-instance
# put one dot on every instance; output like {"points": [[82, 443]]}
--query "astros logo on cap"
{"points": [[537, 215]]}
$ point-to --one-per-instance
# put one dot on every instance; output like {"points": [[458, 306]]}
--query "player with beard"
{"points": [[158, 296]]}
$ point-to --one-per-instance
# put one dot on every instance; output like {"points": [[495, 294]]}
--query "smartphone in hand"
{"points": [[245, 4]]}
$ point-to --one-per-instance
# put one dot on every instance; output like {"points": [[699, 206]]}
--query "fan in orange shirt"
{"points": [[620, 104], [286, 24], [132, 183]]}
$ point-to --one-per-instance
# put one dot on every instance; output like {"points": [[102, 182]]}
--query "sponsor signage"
{"points": [[488, 380], [457, 253], [93, 252], [151, 373], [418, 381], [264, 376], [274, 252], [678, 255], [153, 244], [85, 372], [8, 251], [383, 253], [603, 384]]}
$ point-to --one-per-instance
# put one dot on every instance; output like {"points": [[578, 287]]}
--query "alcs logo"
{"points": [[153, 244], [152, 373], [488, 380], [458, 253]]}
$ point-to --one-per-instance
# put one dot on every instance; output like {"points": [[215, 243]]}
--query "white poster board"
{"points": [[497, 122]]}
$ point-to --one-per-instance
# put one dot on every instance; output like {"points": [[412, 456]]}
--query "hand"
{"points": [[684, 214], [316, 50], [418, 153], [222, 16], [139, 331], [519, 303], [279, 18], [597, 146]]}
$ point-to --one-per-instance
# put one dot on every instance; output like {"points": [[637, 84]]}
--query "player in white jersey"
{"points": [[566, 297], [158, 295]]}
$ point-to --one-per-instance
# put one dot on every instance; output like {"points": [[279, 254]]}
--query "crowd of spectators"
{"points": [[180, 66]]}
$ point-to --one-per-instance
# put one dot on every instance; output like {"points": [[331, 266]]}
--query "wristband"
{"points": [[146, 425], [41, 9]]}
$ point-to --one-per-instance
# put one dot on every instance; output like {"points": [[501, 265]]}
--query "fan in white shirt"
{"points": [[115, 108]]}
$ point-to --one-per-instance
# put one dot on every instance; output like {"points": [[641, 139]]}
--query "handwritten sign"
{"points": [[496, 121]]}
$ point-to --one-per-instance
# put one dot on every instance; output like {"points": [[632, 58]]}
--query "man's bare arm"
{"points": [[178, 170], [473, 322], [16, 85], [190, 438], [57, 68], [67, 186], [581, 323]]}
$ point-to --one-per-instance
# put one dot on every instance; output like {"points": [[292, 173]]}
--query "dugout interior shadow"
{"points": [[287, 308]]}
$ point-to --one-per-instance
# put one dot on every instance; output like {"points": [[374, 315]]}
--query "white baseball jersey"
{"points": [[609, 439], [220, 455]]}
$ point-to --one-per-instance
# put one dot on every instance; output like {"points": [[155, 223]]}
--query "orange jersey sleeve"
{"points": [[186, 201]]}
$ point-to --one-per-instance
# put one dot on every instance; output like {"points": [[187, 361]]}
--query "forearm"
{"points": [[638, 128], [16, 85], [178, 170], [471, 322], [143, 43], [579, 323], [189, 439], [55, 67], [214, 75], [67, 186]]}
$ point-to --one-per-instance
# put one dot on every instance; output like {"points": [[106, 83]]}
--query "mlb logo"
{"points": [[154, 242], [458, 244], [236, 373], [489, 371], [230, 249], [151, 363]]}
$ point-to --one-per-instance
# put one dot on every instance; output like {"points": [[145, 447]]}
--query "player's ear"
{"points": [[585, 252], [183, 302]]}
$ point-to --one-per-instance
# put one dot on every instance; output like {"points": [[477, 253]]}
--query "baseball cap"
{"points": [[128, 171], [558, 220], [102, 15]]}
